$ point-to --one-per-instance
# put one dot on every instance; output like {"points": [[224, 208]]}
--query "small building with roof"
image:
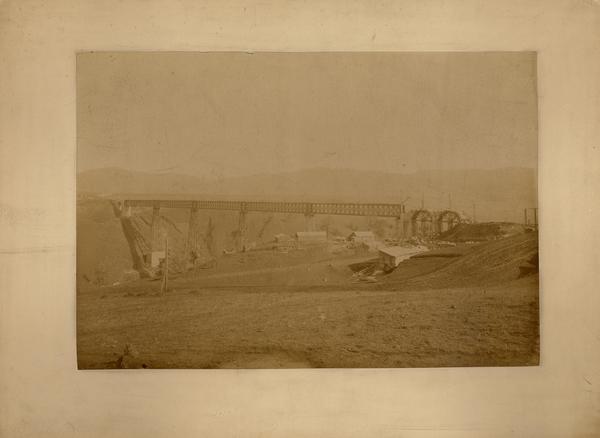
{"points": [[284, 242]]}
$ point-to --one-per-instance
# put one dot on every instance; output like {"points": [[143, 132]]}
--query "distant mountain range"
{"points": [[497, 194]]}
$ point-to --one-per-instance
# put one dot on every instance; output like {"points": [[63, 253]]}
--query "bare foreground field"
{"points": [[471, 310]]}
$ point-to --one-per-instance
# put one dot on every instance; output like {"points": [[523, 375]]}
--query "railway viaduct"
{"points": [[410, 223]]}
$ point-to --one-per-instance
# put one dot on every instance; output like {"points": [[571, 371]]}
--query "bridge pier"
{"points": [[242, 228], [309, 217], [193, 236], [310, 222], [157, 248]]}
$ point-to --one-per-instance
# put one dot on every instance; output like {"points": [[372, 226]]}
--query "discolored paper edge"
{"points": [[43, 394]]}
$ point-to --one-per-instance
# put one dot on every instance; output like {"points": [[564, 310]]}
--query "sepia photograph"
{"points": [[307, 209]]}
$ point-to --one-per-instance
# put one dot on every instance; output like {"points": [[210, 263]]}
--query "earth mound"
{"points": [[482, 232], [488, 263]]}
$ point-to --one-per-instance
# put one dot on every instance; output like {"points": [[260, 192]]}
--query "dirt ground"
{"points": [[313, 314]]}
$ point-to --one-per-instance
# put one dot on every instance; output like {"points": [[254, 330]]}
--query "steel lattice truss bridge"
{"points": [[410, 223]]}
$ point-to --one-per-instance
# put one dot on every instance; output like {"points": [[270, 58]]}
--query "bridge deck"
{"points": [[308, 208]]}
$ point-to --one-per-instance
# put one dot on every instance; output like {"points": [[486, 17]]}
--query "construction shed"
{"points": [[284, 241], [281, 237], [391, 256]]}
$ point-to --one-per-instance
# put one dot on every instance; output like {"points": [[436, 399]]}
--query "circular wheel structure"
{"points": [[422, 222], [447, 220]]}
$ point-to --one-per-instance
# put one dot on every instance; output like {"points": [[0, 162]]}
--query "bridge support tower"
{"points": [[242, 228], [309, 217], [157, 244], [193, 237], [310, 222]]}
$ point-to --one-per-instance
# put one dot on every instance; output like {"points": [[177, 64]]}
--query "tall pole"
{"points": [[156, 228], [165, 282], [193, 232], [241, 243], [474, 219], [400, 227]]}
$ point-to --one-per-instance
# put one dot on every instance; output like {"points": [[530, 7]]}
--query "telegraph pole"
{"points": [[165, 280]]}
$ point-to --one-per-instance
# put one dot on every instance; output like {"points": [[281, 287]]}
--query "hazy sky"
{"points": [[233, 114]]}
